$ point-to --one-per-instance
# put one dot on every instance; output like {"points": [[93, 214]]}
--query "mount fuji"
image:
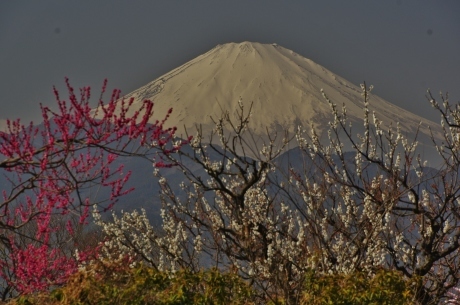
{"points": [[283, 87]]}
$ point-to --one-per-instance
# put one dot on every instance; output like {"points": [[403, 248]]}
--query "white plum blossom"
{"points": [[339, 212]]}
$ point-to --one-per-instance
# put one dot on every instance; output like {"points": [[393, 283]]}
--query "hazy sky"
{"points": [[402, 47]]}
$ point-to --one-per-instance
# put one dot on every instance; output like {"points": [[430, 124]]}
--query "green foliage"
{"points": [[110, 283], [385, 288], [116, 283]]}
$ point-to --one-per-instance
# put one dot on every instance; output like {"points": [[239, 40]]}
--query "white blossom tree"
{"points": [[381, 206], [357, 203]]}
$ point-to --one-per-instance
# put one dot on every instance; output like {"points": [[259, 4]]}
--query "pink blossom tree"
{"points": [[49, 169]]}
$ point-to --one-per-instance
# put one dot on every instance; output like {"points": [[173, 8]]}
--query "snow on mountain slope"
{"points": [[284, 87]]}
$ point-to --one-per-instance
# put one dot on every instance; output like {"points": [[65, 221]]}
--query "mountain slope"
{"points": [[284, 87]]}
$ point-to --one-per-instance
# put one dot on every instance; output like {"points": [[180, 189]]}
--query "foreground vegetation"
{"points": [[117, 284]]}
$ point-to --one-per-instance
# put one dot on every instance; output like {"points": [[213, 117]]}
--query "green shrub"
{"points": [[107, 283], [385, 288], [110, 283]]}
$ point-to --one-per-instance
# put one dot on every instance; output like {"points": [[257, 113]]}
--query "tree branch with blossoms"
{"points": [[51, 166], [349, 203]]}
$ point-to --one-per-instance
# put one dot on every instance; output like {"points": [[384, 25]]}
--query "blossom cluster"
{"points": [[376, 207], [51, 166]]}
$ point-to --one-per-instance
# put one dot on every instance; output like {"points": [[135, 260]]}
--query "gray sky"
{"points": [[402, 47]]}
